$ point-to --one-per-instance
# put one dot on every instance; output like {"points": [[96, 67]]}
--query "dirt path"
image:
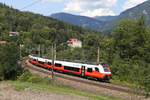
{"points": [[7, 92]]}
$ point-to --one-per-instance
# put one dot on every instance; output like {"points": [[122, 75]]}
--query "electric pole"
{"points": [[39, 50], [98, 55], [53, 61], [20, 52], [55, 52]]}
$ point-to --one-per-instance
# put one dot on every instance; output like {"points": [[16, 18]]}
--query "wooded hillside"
{"points": [[126, 50]]}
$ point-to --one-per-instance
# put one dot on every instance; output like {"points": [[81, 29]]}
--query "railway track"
{"points": [[110, 86]]}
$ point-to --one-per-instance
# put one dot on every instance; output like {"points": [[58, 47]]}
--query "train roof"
{"points": [[41, 59], [76, 63]]}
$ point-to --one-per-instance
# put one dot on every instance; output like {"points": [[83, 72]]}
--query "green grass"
{"points": [[20, 86], [123, 82]]}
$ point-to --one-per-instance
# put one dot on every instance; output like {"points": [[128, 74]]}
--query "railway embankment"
{"points": [[90, 86], [37, 88], [35, 92]]}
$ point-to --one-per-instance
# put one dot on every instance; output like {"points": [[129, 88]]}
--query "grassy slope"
{"points": [[58, 89]]}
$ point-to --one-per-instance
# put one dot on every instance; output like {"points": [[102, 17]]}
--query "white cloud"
{"points": [[90, 7], [73, 7], [98, 12], [131, 3], [53, 0]]}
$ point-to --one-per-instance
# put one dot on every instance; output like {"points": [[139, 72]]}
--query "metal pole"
{"points": [[39, 49], [20, 52], [52, 61], [55, 51], [98, 55]]}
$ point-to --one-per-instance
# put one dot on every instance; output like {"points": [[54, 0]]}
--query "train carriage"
{"points": [[98, 71], [33, 59], [41, 62]]}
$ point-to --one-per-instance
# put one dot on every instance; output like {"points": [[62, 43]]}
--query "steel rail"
{"points": [[111, 86]]}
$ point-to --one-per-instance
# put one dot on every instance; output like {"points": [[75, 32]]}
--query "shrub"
{"points": [[28, 77], [25, 76], [38, 79]]}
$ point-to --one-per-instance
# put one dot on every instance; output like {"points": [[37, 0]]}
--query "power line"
{"points": [[11, 3], [31, 4]]}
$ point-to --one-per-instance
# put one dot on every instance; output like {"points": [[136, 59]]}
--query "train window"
{"points": [[49, 63], [40, 62], [105, 67], [71, 68], [58, 65], [96, 69], [34, 59], [89, 70]]}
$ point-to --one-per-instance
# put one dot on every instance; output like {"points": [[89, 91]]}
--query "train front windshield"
{"points": [[105, 67]]}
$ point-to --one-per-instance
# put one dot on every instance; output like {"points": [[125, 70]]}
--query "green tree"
{"points": [[9, 61]]}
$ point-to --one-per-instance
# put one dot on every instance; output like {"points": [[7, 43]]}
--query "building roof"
{"points": [[14, 33], [73, 40], [2, 42]]}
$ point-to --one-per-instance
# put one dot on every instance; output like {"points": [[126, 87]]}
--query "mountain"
{"points": [[132, 13], [36, 28], [82, 21], [105, 18]]}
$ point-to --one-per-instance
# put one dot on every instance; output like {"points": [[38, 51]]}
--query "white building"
{"points": [[74, 42], [14, 33]]}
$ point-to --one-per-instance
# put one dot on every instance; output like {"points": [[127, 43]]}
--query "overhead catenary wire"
{"points": [[29, 5], [11, 3]]}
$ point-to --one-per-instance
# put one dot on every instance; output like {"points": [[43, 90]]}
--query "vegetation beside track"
{"points": [[44, 84], [126, 49]]}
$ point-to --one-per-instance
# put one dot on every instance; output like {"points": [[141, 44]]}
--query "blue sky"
{"points": [[89, 8]]}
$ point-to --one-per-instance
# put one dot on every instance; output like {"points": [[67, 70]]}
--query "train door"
{"points": [[82, 70]]}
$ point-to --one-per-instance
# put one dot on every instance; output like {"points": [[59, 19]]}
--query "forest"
{"points": [[126, 49]]}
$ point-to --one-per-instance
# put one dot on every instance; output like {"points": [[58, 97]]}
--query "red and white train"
{"points": [[99, 71]]}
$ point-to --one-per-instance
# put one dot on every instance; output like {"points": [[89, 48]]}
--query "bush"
{"points": [[25, 76], [28, 77], [39, 80], [146, 84]]}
